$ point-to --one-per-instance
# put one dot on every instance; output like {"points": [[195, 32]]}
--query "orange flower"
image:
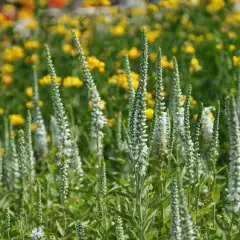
{"points": [[56, 3]]}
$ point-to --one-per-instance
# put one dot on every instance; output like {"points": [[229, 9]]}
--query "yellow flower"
{"points": [[134, 53], [46, 80], [149, 113], [231, 48], [32, 44], [102, 104], [7, 79], [16, 119], [71, 81], [1, 111], [194, 65], [232, 35], [29, 91], [215, 5], [117, 30], [7, 68], [152, 8], [32, 24], [111, 122], [235, 61], [33, 126], [152, 36], [93, 63], [33, 59], [29, 104], [67, 48], [189, 49], [153, 56], [219, 46], [13, 54]]}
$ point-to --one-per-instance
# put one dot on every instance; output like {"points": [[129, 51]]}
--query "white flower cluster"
{"points": [[37, 233], [207, 123]]}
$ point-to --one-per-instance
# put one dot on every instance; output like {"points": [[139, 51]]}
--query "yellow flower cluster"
{"points": [[215, 5], [121, 80], [117, 30], [134, 53], [94, 63], [13, 54], [29, 91], [29, 104], [192, 100], [32, 44], [16, 119], [166, 63], [153, 35], [7, 68], [195, 65], [149, 113], [46, 80], [95, 3], [188, 48], [68, 49], [71, 81], [235, 61], [32, 59]]}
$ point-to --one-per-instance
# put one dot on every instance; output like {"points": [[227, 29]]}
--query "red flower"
{"points": [[56, 3]]}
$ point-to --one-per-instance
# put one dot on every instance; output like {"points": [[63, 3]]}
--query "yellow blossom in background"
{"points": [[219, 46], [71, 81], [7, 68], [7, 79], [215, 5], [231, 48], [16, 120], [58, 29], [153, 56], [94, 63], [153, 35], [32, 44], [25, 13], [111, 122], [152, 8], [232, 35], [195, 116], [189, 49], [95, 3], [33, 59], [13, 54], [235, 61], [29, 104], [117, 31], [68, 49], [1, 111], [33, 126], [149, 113], [166, 63], [33, 24], [195, 65], [29, 91], [134, 53], [46, 80]]}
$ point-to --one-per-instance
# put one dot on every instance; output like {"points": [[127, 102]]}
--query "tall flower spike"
{"points": [[119, 132], [234, 155], [98, 121], [6, 167], [102, 189], [214, 148], [14, 158], [22, 155], [39, 207], [196, 140], [56, 135], [29, 149], [77, 161], [131, 91], [238, 96], [65, 149], [176, 230], [188, 231], [188, 143], [40, 132], [1, 164], [119, 226], [161, 120], [7, 221], [176, 92], [80, 231], [138, 125]]}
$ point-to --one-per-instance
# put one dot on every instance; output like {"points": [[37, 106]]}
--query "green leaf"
{"points": [[215, 194], [59, 228]]}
